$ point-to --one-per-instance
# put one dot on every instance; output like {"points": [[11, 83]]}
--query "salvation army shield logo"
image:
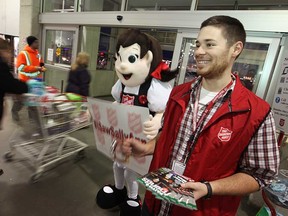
{"points": [[100, 137], [96, 112], [282, 122], [135, 123], [127, 99], [224, 134], [112, 117]]}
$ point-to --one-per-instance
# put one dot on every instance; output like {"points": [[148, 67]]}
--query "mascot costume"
{"points": [[143, 81]]}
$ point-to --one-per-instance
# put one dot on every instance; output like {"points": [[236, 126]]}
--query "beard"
{"points": [[216, 69]]}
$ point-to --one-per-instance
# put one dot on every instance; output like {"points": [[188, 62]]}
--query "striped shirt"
{"points": [[260, 159]]}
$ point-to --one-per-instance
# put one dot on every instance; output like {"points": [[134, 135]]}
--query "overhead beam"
{"points": [[270, 21]]}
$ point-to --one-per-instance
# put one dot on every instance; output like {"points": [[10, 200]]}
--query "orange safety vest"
{"points": [[28, 62]]}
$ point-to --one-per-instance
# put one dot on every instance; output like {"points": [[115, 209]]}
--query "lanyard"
{"points": [[196, 126], [208, 108]]}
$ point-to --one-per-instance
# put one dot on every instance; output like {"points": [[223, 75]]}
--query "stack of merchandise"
{"points": [[63, 112], [165, 184], [35, 90]]}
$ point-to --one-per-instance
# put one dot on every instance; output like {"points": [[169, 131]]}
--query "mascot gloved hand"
{"points": [[152, 126], [143, 81]]}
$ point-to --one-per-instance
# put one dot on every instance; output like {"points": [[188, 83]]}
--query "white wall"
{"points": [[9, 17]]}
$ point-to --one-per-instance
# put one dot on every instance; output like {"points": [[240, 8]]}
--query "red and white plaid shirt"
{"points": [[260, 159]]}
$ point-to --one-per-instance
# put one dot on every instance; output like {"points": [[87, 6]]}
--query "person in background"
{"points": [[79, 76], [29, 65], [215, 131], [8, 84]]}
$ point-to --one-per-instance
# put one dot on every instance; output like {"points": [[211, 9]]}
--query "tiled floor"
{"points": [[69, 188]]}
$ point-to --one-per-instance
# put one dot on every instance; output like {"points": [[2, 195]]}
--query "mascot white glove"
{"points": [[152, 126]]}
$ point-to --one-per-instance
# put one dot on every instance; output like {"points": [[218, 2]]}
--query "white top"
{"points": [[157, 95], [206, 96]]}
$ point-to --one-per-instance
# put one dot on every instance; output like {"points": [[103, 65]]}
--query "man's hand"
{"points": [[199, 189], [137, 148], [43, 69], [133, 147], [152, 126], [238, 184]]}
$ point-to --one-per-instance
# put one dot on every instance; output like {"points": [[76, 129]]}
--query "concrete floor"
{"points": [[69, 187]]}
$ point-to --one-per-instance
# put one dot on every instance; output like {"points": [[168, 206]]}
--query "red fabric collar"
{"points": [[157, 72]]}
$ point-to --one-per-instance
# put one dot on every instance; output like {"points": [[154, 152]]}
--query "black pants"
{"points": [[17, 106]]}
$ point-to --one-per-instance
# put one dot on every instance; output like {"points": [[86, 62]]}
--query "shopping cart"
{"points": [[42, 135]]}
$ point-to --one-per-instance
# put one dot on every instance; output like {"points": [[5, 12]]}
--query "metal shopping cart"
{"points": [[42, 135]]}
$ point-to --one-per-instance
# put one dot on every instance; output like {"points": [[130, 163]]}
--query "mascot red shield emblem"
{"points": [[127, 99]]}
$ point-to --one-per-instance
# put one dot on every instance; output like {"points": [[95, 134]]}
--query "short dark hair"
{"points": [[31, 39], [233, 29]]}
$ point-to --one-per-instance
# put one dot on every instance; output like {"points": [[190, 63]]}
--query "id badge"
{"points": [[178, 167]]}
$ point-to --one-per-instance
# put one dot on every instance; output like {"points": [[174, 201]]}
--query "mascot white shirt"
{"points": [[155, 103]]}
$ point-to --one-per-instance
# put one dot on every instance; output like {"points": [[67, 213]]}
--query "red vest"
{"points": [[215, 154]]}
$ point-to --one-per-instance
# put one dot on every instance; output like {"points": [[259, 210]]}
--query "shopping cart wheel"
{"points": [[79, 156], [8, 156], [35, 178]]}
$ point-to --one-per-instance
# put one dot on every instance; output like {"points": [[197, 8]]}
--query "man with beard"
{"points": [[215, 131]]}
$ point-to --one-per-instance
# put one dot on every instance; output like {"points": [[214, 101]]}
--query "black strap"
{"points": [[209, 190]]}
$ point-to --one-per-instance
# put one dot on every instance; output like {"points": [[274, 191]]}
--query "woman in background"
{"points": [[79, 76], [8, 84]]}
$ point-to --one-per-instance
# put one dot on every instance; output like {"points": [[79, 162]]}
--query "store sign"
{"points": [[113, 121], [280, 103]]}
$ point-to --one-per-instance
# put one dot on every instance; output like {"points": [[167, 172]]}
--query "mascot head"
{"points": [[138, 58]]}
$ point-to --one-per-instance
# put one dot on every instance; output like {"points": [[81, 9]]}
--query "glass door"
{"points": [[183, 57], [254, 66], [60, 45]]}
